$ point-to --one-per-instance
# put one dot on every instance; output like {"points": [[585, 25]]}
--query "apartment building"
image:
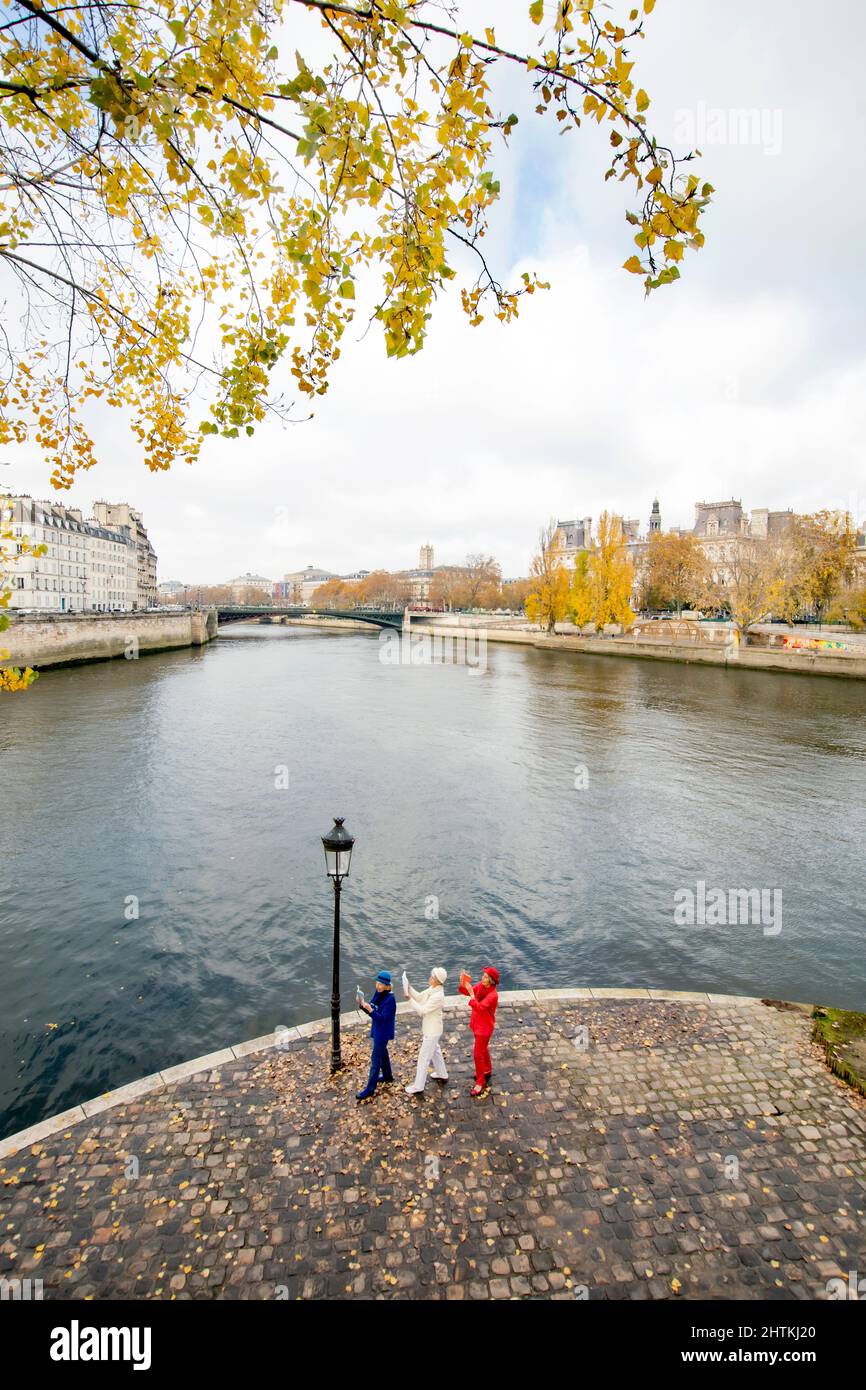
{"points": [[248, 586], [86, 567], [300, 586], [120, 516]]}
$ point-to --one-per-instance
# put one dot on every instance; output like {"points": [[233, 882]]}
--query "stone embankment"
{"points": [[849, 660], [66, 639], [320, 624]]}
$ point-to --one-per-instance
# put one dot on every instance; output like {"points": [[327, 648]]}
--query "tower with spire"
{"points": [[655, 518]]}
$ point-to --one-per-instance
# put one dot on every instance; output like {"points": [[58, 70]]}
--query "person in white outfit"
{"points": [[429, 1003]]}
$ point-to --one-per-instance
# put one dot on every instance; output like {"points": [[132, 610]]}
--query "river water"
{"points": [[162, 886]]}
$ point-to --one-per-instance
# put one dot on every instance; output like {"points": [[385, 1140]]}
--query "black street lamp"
{"points": [[338, 856]]}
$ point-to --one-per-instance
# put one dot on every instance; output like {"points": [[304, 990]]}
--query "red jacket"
{"points": [[482, 1009]]}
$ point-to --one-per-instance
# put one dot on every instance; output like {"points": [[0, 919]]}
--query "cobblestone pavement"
{"points": [[672, 1149]]}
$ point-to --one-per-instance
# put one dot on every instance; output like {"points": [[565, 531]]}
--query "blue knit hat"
{"points": [[384, 977]]}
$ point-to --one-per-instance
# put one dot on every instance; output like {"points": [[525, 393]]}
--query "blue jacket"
{"points": [[384, 1007]]}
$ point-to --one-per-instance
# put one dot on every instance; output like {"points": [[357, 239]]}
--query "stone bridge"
{"points": [[232, 613]]}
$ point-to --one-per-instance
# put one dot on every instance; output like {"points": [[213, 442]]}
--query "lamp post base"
{"points": [[336, 1054]]}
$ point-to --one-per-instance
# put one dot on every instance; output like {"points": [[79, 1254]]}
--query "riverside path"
{"points": [[634, 1145]]}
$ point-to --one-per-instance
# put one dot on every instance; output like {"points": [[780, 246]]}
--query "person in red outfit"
{"points": [[483, 999]]}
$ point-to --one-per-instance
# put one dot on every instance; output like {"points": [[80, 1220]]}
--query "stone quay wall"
{"points": [[751, 658], [323, 624], [850, 664], [65, 639]]}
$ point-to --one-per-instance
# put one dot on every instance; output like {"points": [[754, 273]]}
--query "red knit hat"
{"points": [[492, 972]]}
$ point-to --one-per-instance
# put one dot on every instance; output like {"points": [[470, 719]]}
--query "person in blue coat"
{"points": [[382, 1009]]}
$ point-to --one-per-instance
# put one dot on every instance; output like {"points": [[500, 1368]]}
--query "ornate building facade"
{"points": [[120, 516], [90, 566], [719, 528]]}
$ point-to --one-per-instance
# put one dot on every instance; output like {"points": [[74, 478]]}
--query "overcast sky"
{"points": [[746, 379]]}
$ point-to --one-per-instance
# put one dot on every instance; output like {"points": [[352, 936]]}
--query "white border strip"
{"points": [[212, 1061]]}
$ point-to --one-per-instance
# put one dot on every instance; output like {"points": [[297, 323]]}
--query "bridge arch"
{"points": [[232, 612]]}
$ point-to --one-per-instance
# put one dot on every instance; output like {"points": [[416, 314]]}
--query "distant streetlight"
{"points": [[338, 856]]}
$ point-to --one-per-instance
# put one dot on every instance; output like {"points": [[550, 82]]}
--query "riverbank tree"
{"points": [[483, 581], [253, 595], [850, 606], [595, 587], [675, 571], [382, 589], [475, 584], [580, 598], [822, 549], [800, 574], [514, 593], [611, 575], [379, 589], [747, 582], [200, 595], [548, 599]]}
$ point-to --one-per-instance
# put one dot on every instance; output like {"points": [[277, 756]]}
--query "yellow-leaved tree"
{"points": [[747, 581], [824, 551], [611, 575], [193, 192], [850, 606], [547, 602], [675, 571], [580, 604], [189, 202]]}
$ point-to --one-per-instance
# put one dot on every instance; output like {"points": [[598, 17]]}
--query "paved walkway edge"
{"points": [[212, 1061]]}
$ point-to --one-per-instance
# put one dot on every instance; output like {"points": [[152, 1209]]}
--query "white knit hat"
{"points": [[439, 974]]}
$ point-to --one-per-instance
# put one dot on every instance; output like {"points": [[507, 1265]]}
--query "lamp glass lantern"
{"points": [[338, 850]]}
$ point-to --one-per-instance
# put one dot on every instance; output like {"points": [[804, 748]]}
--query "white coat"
{"points": [[430, 1004]]}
